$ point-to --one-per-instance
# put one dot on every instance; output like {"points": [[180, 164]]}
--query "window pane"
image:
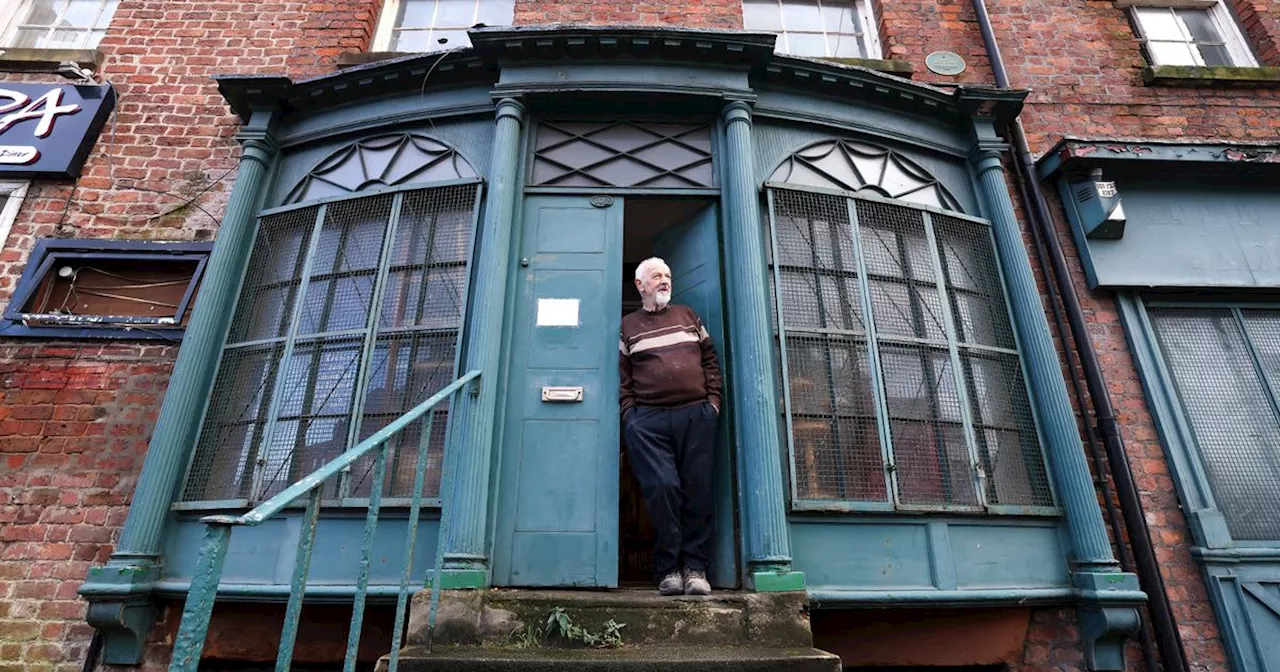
{"points": [[81, 13], [801, 15], [455, 13], [762, 15], [837, 441], [839, 17], [415, 13], [929, 446], [1172, 53], [1229, 410], [448, 39], [423, 289], [411, 40], [30, 38], [496, 12], [1205, 33], [806, 44], [846, 45], [43, 12], [108, 10], [1158, 23]]}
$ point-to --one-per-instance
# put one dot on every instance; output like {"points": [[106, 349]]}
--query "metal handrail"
{"points": [[198, 610]]}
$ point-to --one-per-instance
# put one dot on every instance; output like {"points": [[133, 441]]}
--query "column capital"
{"points": [[510, 108], [737, 110], [986, 156], [257, 137]]}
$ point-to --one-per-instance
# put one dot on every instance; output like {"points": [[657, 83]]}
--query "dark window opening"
{"points": [[107, 289]]}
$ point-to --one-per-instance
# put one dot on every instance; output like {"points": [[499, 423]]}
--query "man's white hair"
{"points": [[648, 264]]}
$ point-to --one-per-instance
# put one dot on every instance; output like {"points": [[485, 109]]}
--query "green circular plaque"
{"points": [[944, 62]]}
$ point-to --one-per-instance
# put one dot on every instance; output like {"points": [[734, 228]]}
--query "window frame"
{"points": [[48, 251], [386, 28], [866, 19], [1233, 38], [14, 193], [892, 503], [1195, 490], [371, 332], [9, 26]]}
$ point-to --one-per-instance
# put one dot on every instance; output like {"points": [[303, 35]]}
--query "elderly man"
{"points": [[670, 398]]}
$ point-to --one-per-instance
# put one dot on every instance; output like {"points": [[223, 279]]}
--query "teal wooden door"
{"points": [[692, 250], [557, 519]]}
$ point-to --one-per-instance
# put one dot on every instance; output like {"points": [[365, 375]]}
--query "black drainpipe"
{"points": [[1044, 234]]}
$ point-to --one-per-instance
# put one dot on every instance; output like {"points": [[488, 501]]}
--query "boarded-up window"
{"points": [[108, 286]]}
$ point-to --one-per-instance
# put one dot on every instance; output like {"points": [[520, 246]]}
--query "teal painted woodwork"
{"points": [[775, 139], [1185, 230], [875, 554], [766, 543], [1246, 601], [558, 505], [692, 251], [469, 503], [471, 136], [1243, 577], [262, 555]]}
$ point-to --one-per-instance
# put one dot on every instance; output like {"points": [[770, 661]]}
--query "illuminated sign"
{"points": [[47, 130]]}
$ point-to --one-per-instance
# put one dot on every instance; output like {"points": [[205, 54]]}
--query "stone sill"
{"points": [[1226, 77], [892, 67], [47, 60]]}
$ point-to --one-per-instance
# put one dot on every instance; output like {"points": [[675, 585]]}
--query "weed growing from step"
{"points": [[559, 622]]}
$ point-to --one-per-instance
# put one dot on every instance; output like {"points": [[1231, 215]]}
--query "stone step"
{"points": [[626, 659], [500, 617]]}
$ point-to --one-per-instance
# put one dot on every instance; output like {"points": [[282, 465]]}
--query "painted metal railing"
{"points": [[198, 610]]}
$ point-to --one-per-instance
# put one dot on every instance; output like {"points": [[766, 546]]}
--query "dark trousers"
{"points": [[672, 453]]}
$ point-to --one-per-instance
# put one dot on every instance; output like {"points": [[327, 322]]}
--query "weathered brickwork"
{"points": [[74, 421], [75, 417]]}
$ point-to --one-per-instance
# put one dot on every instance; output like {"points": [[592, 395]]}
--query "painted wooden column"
{"points": [[1106, 596], [118, 592], [466, 511], [755, 394]]}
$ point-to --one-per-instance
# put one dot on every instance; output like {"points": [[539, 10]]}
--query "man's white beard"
{"points": [[661, 299]]}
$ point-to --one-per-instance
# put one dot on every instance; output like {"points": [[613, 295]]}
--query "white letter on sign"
{"points": [[51, 103]]}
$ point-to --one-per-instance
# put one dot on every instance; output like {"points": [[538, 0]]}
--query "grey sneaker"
{"points": [[695, 583], [671, 584]]}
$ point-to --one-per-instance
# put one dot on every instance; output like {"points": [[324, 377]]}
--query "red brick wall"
{"points": [[722, 14], [74, 420], [75, 417]]}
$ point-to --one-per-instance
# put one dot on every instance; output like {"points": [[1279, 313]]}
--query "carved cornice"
{"points": [[751, 54]]}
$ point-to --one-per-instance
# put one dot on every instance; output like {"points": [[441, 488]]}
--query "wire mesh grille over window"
{"points": [[1225, 365], [858, 166], [622, 154], [384, 161], [348, 317], [904, 383]]}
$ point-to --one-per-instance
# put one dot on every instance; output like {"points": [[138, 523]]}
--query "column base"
{"points": [[462, 579], [1107, 615], [120, 607], [776, 581]]}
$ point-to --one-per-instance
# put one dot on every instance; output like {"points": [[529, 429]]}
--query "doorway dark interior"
{"points": [[643, 219]]}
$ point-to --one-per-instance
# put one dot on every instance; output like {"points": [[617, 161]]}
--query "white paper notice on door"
{"points": [[558, 312]]}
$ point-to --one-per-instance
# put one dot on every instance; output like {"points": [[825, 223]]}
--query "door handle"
{"points": [[562, 394]]}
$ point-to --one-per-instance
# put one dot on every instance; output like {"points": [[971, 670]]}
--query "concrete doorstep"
{"points": [[479, 631]]}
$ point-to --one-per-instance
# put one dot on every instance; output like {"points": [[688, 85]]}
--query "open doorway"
{"points": [[653, 226]]}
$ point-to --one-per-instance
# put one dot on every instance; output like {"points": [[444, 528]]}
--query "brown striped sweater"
{"points": [[665, 359]]}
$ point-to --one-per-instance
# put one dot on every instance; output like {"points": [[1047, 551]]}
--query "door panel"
{"points": [[692, 250], [557, 521]]}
